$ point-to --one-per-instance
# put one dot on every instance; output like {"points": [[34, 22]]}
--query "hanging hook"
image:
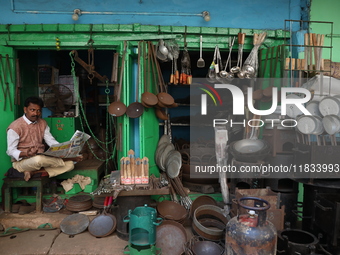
{"points": [[185, 37]]}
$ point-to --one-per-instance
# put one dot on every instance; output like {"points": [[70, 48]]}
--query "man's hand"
{"points": [[32, 152]]}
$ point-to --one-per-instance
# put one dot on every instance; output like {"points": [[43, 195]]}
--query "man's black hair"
{"points": [[34, 100]]}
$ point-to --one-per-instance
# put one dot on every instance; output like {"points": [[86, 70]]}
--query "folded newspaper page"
{"points": [[69, 149]]}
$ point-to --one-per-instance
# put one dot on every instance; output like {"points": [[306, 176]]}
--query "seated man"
{"points": [[25, 138]]}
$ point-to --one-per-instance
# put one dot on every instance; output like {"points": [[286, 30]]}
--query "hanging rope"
{"points": [[108, 146]]}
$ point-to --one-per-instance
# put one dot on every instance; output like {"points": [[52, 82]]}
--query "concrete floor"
{"points": [[54, 242]]}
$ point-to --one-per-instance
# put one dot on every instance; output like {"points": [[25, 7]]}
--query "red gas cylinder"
{"points": [[251, 234]]}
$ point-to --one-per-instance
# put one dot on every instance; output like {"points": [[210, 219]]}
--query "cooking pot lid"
{"points": [[74, 224]]}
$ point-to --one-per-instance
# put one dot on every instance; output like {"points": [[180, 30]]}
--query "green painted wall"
{"points": [[7, 109], [327, 10]]}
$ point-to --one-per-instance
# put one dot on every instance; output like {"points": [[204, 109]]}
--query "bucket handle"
{"points": [[126, 218], [158, 221]]}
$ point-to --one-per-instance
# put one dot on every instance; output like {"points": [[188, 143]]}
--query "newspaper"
{"points": [[69, 149]]}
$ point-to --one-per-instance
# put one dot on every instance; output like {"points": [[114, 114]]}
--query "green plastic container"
{"points": [[142, 225]]}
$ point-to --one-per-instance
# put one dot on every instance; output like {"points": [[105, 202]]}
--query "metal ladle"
{"points": [[136, 109], [118, 108], [148, 99], [236, 69], [241, 74], [162, 48], [224, 73]]}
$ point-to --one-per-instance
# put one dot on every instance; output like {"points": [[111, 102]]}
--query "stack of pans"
{"points": [[79, 203], [167, 158], [98, 202]]}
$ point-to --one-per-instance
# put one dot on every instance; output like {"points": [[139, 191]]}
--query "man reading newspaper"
{"points": [[25, 145]]}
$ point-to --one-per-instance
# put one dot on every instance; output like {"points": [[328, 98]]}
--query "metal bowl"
{"points": [[207, 248], [249, 150]]}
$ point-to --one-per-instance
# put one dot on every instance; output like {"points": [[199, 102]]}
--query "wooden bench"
{"points": [[10, 183]]}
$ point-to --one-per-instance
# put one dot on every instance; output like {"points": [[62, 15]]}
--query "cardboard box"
{"points": [[332, 68]]}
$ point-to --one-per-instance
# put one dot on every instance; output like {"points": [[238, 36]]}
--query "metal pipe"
{"points": [[202, 14]]}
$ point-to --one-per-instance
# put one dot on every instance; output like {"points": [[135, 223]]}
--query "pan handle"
{"points": [[158, 221]]}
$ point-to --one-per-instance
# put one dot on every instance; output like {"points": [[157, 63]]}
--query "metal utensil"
{"points": [[74, 224], [200, 61], [136, 109], [224, 73], [237, 68], [118, 108]]}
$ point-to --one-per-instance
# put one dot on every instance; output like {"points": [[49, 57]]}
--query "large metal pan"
{"points": [[104, 224], [171, 237]]}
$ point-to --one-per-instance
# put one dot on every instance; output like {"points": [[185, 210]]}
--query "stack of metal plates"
{"points": [[79, 203]]}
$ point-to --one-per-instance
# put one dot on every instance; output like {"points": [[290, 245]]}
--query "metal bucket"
{"points": [[142, 225]]}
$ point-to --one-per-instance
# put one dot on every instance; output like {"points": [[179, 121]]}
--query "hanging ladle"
{"points": [[238, 66], [118, 108], [164, 99], [224, 73], [148, 99], [136, 109]]}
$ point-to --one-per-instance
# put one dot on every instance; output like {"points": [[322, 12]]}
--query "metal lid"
{"points": [[74, 224]]}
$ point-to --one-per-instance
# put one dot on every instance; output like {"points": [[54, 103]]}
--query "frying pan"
{"points": [[105, 223], [118, 108], [148, 99], [136, 109]]}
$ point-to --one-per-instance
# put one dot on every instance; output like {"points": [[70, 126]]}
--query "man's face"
{"points": [[32, 112]]}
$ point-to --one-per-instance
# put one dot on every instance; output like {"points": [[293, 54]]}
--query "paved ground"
{"points": [[53, 242]]}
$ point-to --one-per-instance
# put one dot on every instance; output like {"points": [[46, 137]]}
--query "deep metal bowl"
{"points": [[207, 248], [249, 150]]}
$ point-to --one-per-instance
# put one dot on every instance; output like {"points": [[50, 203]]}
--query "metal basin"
{"points": [[207, 248]]}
